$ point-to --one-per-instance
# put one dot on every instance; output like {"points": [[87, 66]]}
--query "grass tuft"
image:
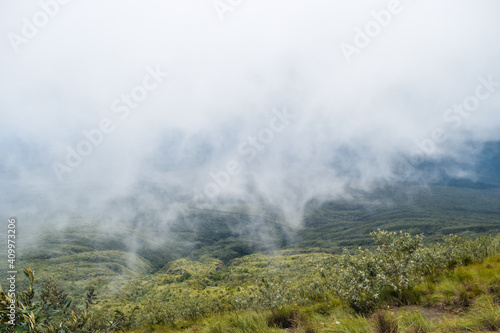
{"points": [[385, 322]]}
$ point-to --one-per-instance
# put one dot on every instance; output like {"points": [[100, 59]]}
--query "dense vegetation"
{"points": [[236, 269], [400, 271]]}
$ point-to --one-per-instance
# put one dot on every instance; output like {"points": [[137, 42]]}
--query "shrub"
{"points": [[390, 269], [55, 312]]}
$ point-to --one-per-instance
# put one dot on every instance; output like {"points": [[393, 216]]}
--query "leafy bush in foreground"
{"points": [[54, 312], [400, 261]]}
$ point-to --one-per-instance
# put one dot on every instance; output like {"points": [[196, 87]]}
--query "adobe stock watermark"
{"points": [[11, 261], [453, 119], [95, 137], [248, 150], [224, 7], [372, 29], [30, 27]]}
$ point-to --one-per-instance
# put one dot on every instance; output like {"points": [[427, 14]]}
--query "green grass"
{"points": [[224, 260], [481, 315], [202, 296]]}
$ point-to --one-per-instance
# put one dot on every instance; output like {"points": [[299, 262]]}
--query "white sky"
{"points": [[225, 78]]}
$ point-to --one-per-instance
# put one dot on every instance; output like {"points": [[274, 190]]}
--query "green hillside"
{"points": [[402, 284], [433, 211], [95, 250], [210, 261]]}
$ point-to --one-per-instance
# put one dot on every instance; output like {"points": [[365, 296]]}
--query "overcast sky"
{"points": [[281, 101]]}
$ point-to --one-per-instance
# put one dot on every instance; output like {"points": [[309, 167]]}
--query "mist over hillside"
{"points": [[155, 111], [249, 166]]}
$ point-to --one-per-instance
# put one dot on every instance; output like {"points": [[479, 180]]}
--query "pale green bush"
{"points": [[399, 262]]}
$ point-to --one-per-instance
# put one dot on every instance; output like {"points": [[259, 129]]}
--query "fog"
{"points": [[108, 106]]}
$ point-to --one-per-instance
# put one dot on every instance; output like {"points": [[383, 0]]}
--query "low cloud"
{"points": [[354, 122]]}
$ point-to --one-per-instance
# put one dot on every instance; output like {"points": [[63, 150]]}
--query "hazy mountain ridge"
{"points": [[87, 250]]}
